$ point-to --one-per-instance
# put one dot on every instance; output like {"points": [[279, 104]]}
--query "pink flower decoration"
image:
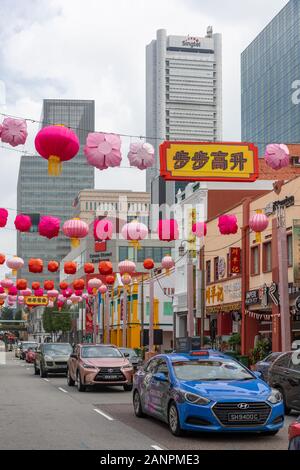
{"points": [[228, 224], [3, 217], [103, 150], [23, 223], [141, 155], [277, 156], [49, 227], [14, 131]]}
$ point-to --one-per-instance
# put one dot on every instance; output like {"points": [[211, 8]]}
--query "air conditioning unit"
{"points": [[295, 161]]}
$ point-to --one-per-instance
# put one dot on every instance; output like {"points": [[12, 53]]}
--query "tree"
{"points": [[54, 321]]}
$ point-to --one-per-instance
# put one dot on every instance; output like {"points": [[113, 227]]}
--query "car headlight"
{"points": [[275, 397], [48, 358], [195, 399], [129, 366], [88, 366]]}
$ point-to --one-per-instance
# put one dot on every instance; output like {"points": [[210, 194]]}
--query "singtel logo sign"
{"points": [[191, 41]]}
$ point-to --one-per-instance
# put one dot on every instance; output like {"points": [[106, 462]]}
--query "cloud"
{"points": [[96, 50]]}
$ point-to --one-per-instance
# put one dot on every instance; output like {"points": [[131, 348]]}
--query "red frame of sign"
{"points": [[164, 173], [235, 266]]}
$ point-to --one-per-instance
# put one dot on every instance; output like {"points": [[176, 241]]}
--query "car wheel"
{"points": [[294, 444], [43, 373], [36, 371], [127, 387], [70, 381], [173, 419], [80, 386], [137, 405]]}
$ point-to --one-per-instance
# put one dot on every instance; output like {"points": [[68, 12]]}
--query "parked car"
{"points": [[30, 355], [17, 349], [51, 358], [294, 435], [132, 356], [207, 392], [99, 364], [25, 345], [264, 365], [284, 375]]}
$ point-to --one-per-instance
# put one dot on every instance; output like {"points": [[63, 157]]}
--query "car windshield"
{"points": [[100, 351], [210, 370], [58, 349], [29, 345], [131, 352]]}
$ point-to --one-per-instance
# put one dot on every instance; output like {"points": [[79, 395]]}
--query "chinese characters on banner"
{"points": [[36, 301], [198, 161], [89, 316], [296, 251], [235, 260]]}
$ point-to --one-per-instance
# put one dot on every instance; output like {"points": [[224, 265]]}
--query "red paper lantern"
{"points": [[110, 279], [63, 285], [53, 266], [79, 284], [168, 230], [70, 267], [35, 285], [89, 268], [35, 265], [56, 144], [2, 258], [49, 227], [148, 263], [21, 284], [49, 285], [23, 223], [105, 268]]}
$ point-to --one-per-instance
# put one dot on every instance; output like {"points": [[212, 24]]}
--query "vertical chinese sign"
{"points": [[208, 161], [235, 260], [296, 251], [89, 316]]}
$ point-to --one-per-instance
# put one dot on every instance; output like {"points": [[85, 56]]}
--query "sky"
{"points": [[95, 49]]}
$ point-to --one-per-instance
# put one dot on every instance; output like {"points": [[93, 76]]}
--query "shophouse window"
{"points": [[290, 249], [267, 257], [208, 272], [216, 268], [255, 259]]}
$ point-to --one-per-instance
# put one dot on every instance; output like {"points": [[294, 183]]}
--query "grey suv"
{"points": [[52, 358]]}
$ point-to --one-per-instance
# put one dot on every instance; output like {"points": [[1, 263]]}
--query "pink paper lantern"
{"points": [[103, 150], [39, 292], [90, 291], [3, 217], [75, 299], [61, 298], [49, 226], [126, 279], [2, 290], [23, 223], [56, 144], [103, 230], [103, 289], [14, 131], [21, 300], [277, 156], [167, 262], [228, 224], [6, 283], [53, 294], [13, 290], [85, 296], [168, 230], [75, 229], [258, 222], [199, 229], [69, 302], [3, 296], [94, 284], [26, 292], [15, 263], [141, 155], [126, 267]]}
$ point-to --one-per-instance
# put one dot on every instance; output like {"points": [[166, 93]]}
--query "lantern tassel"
{"points": [[75, 242], [135, 243], [54, 166], [258, 237]]}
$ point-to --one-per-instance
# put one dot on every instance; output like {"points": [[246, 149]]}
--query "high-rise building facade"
{"points": [[183, 97], [270, 81], [39, 194]]}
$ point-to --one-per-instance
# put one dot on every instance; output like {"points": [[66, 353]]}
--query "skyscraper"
{"points": [[270, 74], [183, 97], [39, 194]]}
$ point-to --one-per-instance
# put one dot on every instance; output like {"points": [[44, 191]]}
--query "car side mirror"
{"points": [[160, 377], [257, 374], [73, 355], [126, 354]]}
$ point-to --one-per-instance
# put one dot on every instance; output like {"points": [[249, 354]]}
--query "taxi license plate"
{"points": [[237, 417], [111, 377]]}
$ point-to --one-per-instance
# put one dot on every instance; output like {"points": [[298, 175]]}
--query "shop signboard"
{"points": [[252, 297], [227, 292], [235, 260], [296, 251], [208, 161]]}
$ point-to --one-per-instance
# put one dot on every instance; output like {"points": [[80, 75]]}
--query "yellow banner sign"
{"points": [[198, 161], [36, 301]]}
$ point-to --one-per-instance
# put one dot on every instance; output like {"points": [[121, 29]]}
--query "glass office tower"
{"points": [[40, 194], [270, 77]]}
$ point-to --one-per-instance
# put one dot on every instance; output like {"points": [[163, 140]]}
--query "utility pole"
{"points": [[151, 316], [190, 295], [202, 292], [142, 313], [124, 331], [283, 287]]}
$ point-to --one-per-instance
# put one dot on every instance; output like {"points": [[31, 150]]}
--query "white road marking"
{"points": [[104, 414], [27, 368], [156, 447], [46, 380], [62, 389]]}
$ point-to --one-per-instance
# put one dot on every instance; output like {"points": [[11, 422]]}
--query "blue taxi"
{"points": [[206, 391]]}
